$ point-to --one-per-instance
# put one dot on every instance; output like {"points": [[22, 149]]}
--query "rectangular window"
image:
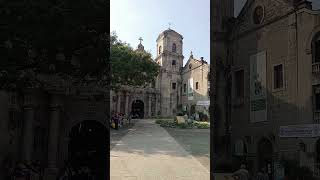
{"points": [[184, 88], [317, 101], [173, 85], [239, 83], [173, 62], [278, 76], [197, 85]]}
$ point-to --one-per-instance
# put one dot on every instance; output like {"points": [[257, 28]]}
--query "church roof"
{"points": [[169, 31], [191, 58]]}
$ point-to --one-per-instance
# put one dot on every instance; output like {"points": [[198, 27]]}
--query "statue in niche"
{"points": [[258, 15]]}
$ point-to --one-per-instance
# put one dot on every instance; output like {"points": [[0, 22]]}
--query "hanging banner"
{"points": [[258, 93], [302, 130], [190, 89], [203, 103]]}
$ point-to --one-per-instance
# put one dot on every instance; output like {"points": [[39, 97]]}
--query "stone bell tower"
{"points": [[170, 58]]}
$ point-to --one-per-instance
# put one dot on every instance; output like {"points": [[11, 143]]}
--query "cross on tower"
{"points": [[140, 39], [169, 24]]}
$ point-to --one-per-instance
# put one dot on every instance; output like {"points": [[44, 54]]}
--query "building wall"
{"points": [[199, 73], [287, 44]]}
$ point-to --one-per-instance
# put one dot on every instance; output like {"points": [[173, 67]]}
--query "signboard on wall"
{"points": [[303, 130], [203, 103], [258, 84], [190, 89]]}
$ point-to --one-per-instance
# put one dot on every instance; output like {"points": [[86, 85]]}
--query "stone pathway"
{"points": [[148, 152]]}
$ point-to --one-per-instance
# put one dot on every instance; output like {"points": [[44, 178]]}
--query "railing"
{"points": [[316, 67], [316, 116]]}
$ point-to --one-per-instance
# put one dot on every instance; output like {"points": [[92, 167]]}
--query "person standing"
{"points": [[242, 173], [262, 175], [116, 121], [130, 117]]}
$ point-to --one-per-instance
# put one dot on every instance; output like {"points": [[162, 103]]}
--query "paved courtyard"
{"points": [[147, 151], [194, 141]]}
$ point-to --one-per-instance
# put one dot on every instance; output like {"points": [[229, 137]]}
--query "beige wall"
{"points": [[199, 73]]}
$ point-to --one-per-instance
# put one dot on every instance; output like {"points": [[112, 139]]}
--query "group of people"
{"points": [[117, 120], [82, 173], [243, 174], [24, 171]]}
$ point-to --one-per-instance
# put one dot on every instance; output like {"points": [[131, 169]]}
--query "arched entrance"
{"points": [[138, 109], [265, 153], [88, 146]]}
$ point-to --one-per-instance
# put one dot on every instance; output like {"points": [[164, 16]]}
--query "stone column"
{"points": [[127, 104], [145, 110], [149, 112], [157, 104], [28, 116], [52, 170], [118, 102]]}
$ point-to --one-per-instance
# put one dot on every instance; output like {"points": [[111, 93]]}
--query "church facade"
{"points": [[65, 121], [266, 65], [47, 125], [167, 96]]}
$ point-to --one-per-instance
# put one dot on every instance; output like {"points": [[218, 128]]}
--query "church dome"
{"points": [[170, 31]]}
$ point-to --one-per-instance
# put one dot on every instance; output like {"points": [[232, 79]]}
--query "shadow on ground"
{"points": [[194, 141], [149, 139]]}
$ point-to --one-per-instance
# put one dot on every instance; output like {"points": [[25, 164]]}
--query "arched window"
{"points": [[316, 48], [174, 47], [197, 85], [160, 48]]}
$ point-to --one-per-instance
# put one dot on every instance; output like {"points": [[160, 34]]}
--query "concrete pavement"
{"points": [[148, 152]]}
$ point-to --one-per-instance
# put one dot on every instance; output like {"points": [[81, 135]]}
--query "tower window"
{"points": [[173, 62], [278, 76], [174, 85], [174, 47], [160, 49], [184, 88], [190, 66], [197, 85]]}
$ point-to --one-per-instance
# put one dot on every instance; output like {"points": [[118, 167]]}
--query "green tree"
{"points": [[129, 67]]}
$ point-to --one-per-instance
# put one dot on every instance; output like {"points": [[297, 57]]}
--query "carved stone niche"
{"points": [[258, 14]]}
